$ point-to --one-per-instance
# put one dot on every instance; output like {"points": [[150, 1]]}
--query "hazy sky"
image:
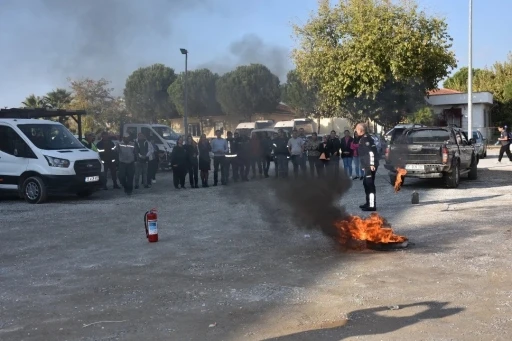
{"points": [[43, 42]]}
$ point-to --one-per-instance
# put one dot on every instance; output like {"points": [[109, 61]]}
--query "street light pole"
{"points": [[185, 113], [470, 72]]}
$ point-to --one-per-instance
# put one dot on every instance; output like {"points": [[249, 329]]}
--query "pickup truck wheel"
{"points": [[473, 171], [34, 190], [451, 180]]}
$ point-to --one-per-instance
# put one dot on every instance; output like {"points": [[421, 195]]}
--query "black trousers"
{"points": [[256, 161], [113, 172], [369, 187], [178, 176], [219, 162], [193, 173], [232, 163], [126, 174], [314, 163], [505, 149], [323, 168], [266, 164], [296, 162], [244, 166], [152, 169]]}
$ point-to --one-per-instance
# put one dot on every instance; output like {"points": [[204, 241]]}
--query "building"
{"points": [[209, 124], [451, 107]]}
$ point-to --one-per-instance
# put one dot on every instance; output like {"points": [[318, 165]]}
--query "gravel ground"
{"points": [[226, 268]]}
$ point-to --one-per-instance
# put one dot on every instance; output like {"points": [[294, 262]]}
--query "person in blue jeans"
{"points": [[357, 165], [347, 153]]}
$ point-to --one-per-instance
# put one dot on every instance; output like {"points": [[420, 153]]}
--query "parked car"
{"points": [[481, 143], [433, 152]]}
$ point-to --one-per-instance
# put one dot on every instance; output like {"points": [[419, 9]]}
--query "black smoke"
{"points": [[252, 49]]}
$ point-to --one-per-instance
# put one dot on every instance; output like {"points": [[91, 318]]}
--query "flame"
{"points": [[373, 229], [400, 174]]}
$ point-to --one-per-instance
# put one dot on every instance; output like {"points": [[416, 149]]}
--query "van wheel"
{"points": [[34, 190], [84, 194], [451, 180], [473, 171]]}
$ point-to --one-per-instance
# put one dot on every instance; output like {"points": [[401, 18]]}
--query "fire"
{"points": [[372, 229], [400, 174]]}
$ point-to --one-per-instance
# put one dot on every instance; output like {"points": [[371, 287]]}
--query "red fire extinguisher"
{"points": [[151, 225]]}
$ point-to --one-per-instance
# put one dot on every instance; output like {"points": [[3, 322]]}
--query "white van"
{"points": [[40, 157], [245, 128], [166, 138]]}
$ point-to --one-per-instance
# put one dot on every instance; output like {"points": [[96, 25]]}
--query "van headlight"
{"points": [[56, 162]]}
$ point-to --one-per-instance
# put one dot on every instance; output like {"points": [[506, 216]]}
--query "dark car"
{"points": [[480, 144], [433, 152]]}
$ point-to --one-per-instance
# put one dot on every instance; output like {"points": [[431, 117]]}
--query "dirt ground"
{"points": [[226, 268]]}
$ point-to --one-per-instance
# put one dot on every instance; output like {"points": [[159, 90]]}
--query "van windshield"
{"points": [[307, 126], [166, 133], [263, 125], [50, 136]]}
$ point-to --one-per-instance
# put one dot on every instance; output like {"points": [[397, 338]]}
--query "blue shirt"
{"points": [[219, 147]]}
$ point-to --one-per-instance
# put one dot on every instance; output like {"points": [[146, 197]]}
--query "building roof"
{"points": [[443, 92]]}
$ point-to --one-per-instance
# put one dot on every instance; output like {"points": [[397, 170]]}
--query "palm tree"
{"points": [[58, 98], [34, 101]]}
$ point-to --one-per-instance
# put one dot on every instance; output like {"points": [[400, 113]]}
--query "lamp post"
{"points": [[470, 72], [185, 113]]}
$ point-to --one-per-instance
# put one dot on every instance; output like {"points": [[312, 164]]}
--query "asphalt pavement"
{"points": [[232, 264]]}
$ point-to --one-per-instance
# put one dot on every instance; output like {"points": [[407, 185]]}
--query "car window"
{"points": [[8, 140], [427, 136]]}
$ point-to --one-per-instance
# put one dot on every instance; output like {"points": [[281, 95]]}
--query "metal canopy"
{"points": [[28, 113]]}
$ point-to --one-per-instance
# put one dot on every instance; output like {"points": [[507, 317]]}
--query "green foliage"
{"points": [[58, 98], [96, 98], [359, 51], [34, 101], [146, 92], [424, 116], [201, 93], [298, 96], [248, 90], [459, 80]]}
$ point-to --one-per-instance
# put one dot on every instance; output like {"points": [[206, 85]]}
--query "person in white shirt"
{"points": [[296, 149]]}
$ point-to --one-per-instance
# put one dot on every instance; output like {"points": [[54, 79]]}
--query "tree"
{"points": [[424, 116], [248, 90], [96, 98], [146, 92], [34, 101], [58, 98], [299, 96], [360, 50], [201, 94]]}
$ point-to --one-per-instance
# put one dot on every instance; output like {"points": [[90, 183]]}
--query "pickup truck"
{"points": [[433, 152]]}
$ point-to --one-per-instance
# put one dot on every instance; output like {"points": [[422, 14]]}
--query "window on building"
{"points": [[194, 129]]}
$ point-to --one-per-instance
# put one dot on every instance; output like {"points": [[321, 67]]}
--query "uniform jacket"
{"points": [[107, 150], [367, 151], [280, 145], [90, 146], [127, 152]]}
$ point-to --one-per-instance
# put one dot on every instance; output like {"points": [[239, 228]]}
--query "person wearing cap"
{"points": [[127, 154], [88, 142]]}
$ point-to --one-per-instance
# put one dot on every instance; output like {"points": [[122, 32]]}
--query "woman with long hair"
{"points": [[193, 165], [179, 162], [204, 149]]}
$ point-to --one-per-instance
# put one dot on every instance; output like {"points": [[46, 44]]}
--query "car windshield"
{"points": [[427, 136], [166, 133], [307, 126], [475, 135], [50, 136]]}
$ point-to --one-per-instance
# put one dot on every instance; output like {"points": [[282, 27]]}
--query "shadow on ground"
{"points": [[372, 322]]}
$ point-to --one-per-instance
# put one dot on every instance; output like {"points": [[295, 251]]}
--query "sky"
{"points": [[45, 42]]}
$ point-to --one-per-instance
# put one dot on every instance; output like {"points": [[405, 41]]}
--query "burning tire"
{"points": [[452, 180]]}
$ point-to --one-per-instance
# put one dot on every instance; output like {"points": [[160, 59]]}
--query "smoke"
{"points": [[252, 49], [57, 39]]}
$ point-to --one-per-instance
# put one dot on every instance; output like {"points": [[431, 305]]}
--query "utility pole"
{"points": [[470, 72], [185, 114]]}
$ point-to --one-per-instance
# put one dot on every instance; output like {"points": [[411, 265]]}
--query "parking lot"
{"points": [[231, 264]]}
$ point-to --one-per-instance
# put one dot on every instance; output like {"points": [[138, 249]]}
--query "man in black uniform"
{"points": [[108, 155], [232, 155], [369, 163]]}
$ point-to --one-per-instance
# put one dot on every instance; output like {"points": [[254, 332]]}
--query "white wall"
{"points": [[480, 116], [338, 124]]}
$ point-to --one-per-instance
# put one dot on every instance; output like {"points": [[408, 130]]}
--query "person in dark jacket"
{"points": [[256, 160], [193, 162], [311, 147], [144, 151], [205, 161], [369, 163], [108, 155], [281, 153], [179, 162], [325, 150], [266, 153], [244, 157], [347, 153], [335, 147], [127, 153], [231, 160]]}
